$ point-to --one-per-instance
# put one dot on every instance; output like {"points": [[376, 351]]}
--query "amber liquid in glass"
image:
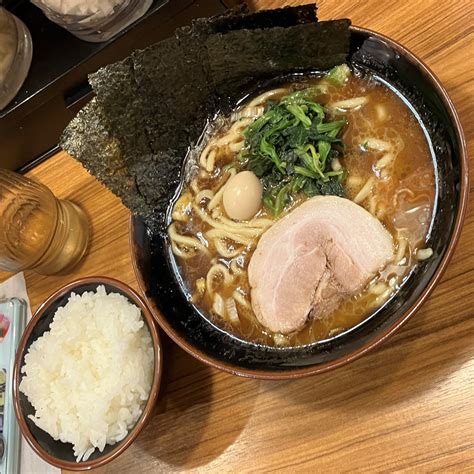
{"points": [[37, 231]]}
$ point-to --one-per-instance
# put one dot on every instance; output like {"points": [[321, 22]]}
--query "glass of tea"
{"points": [[38, 231]]}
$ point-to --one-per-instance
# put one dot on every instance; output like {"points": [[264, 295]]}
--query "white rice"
{"points": [[90, 375]]}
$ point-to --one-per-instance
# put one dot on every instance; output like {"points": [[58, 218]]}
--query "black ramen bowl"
{"points": [[155, 269], [55, 452]]}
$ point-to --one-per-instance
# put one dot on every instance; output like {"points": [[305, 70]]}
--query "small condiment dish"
{"points": [[55, 452]]}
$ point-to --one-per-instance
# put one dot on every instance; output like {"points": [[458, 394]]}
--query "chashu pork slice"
{"points": [[319, 254]]}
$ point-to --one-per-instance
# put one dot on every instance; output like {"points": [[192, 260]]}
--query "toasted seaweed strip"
{"points": [[141, 136], [157, 177], [164, 71], [139, 185], [88, 139], [185, 49], [172, 76], [240, 20], [119, 97], [279, 17], [240, 57]]}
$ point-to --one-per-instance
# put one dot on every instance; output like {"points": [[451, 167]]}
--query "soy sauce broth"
{"points": [[404, 204]]}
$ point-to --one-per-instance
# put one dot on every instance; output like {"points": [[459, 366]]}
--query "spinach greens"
{"points": [[291, 147], [339, 75]]}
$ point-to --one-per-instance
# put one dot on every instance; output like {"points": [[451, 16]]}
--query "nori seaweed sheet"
{"points": [[88, 138], [120, 99], [239, 58], [163, 71], [149, 173], [239, 20], [173, 75], [152, 106]]}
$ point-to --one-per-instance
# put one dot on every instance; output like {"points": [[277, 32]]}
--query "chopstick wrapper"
{"points": [[15, 287]]}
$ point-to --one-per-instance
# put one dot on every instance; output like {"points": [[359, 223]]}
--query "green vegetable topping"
{"points": [[290, 148], [339, 75]]}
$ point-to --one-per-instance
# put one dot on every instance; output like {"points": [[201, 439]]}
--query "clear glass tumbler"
{"points": [[38, 231]]}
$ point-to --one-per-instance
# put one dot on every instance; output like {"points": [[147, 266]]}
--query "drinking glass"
{"points": [[16, 50], [38, 231]]}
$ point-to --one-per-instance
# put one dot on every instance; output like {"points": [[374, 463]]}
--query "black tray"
{"points": [[56, 86]]}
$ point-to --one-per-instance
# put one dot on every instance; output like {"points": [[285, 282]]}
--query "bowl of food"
{"points": [[87, 373], [295, 202], [313, 220]]}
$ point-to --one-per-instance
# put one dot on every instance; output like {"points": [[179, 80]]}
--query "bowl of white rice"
{"points": [[87, 373]]}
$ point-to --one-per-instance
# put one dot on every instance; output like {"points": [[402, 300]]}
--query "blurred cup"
{"points": [[38, 231], [15, 56], [94, 20]]}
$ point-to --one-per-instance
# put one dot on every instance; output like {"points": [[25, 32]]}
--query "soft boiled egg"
{"points": [[242, 196]]}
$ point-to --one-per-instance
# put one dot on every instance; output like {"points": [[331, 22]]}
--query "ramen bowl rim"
{"points": [[390, 330]]}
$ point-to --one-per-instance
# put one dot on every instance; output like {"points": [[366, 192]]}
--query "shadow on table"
{"points": [[188, 429]]}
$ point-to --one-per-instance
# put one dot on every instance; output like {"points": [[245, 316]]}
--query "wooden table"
{"points": [[407, 406]]}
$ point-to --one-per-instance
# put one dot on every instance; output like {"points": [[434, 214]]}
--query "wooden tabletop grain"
{"points": [[407, 406]]}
